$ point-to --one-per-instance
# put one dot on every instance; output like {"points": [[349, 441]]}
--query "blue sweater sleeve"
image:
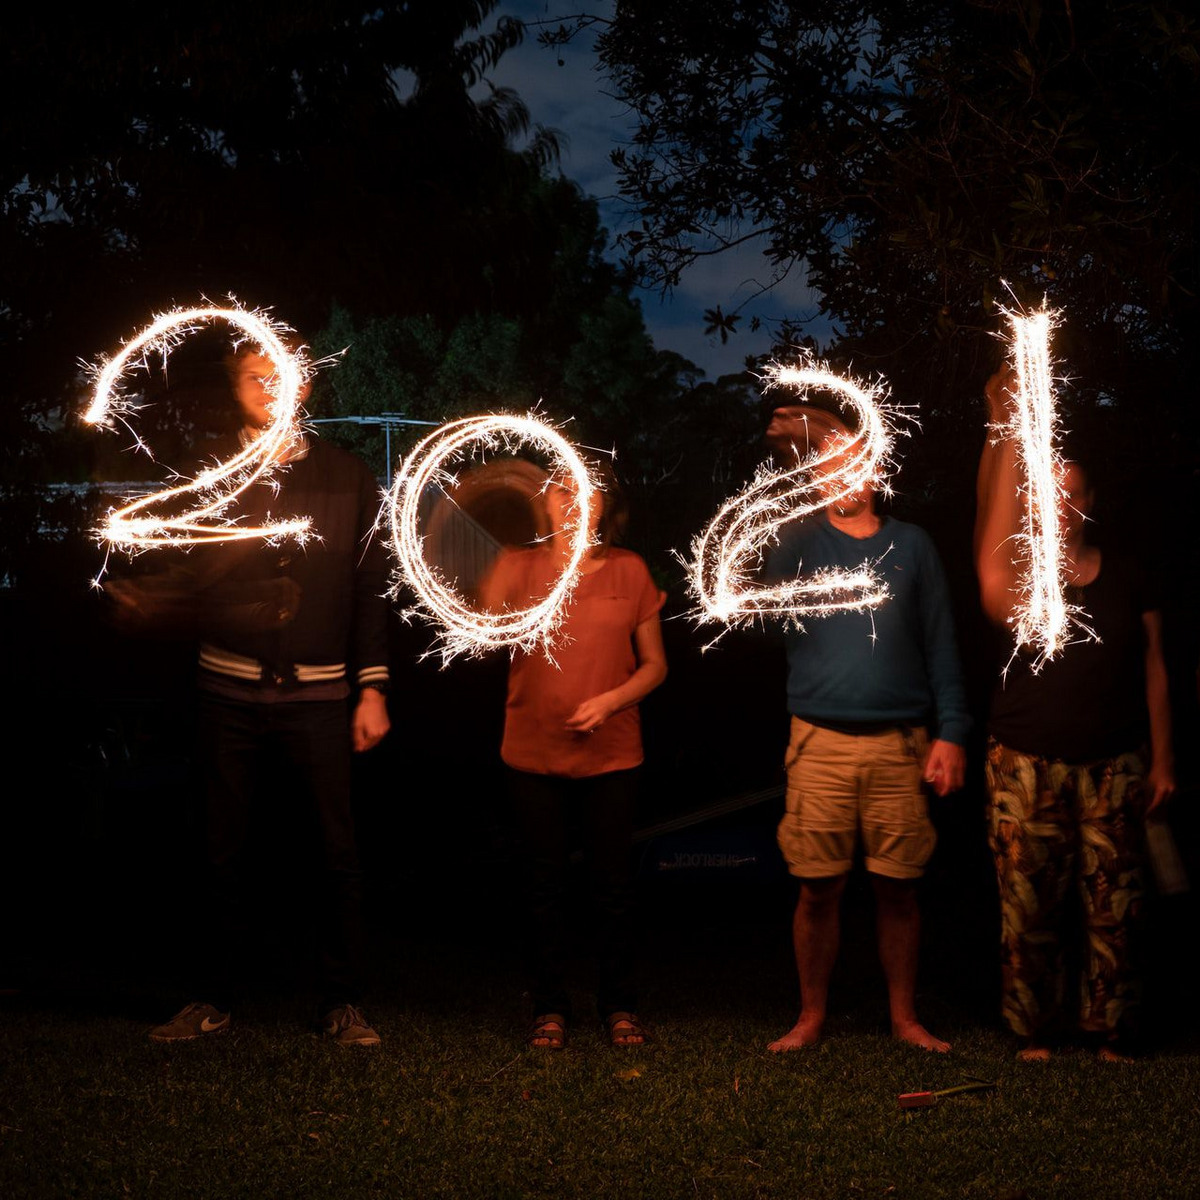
{"points": [[953, 720]]}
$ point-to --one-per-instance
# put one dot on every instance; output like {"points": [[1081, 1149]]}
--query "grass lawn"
{"points": [[452, 1105]]}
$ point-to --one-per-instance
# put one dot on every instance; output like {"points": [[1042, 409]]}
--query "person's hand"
{"points": [[125, 595], [592, 713], [370, 723], [1160, 787], [1000, 391], [945, 767]]}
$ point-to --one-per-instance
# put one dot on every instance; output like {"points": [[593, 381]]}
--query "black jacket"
{"points": [[301, 616]]}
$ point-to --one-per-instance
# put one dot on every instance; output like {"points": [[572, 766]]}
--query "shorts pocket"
{"points": [[915, 743], [801, 735]]}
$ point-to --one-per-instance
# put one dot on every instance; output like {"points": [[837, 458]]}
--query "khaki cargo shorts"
{"points": [[841, 785]]}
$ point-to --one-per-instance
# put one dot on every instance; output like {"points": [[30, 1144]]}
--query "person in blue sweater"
{"points": [[878, 711]]}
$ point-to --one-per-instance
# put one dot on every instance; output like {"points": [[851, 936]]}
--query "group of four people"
{"points": [[878, 713]]}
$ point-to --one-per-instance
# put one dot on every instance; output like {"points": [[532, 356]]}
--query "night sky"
{"points": [[572, 98]]}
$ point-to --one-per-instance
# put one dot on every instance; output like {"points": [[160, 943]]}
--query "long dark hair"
{"points": [[615, 518]]}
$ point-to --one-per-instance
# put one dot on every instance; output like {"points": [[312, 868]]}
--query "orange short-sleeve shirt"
{"points": [[594, 652]]}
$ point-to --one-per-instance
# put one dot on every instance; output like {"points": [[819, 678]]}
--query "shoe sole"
{"points": [[186, 1037]]}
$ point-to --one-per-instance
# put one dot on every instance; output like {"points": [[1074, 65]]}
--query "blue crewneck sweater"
{"points": [[897, 664]]}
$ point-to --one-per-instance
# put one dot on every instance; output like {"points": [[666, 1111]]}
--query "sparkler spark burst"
{"points": [[148, 521], [727, 557], [1043, 621], [462, 627]]}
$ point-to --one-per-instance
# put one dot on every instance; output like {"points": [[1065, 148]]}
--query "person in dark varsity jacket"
{"points": [[293, 678]]}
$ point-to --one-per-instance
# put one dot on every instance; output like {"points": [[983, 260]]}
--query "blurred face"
{"points": [[250, 374], [560, 504], [797, 429], [788, 424], [851, 504], [828, 484], [1075, 502]]}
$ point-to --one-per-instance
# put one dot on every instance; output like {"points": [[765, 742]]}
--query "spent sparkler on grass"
{"points": [[463, 627], [154, 519], [930, 1099], [1043, 621], [727, 558]]}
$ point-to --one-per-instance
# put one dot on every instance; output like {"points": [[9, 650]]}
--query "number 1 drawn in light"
{"points": [[1043, 621]]}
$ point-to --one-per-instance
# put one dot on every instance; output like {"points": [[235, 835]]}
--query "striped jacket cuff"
{"points": [[373, 677]]}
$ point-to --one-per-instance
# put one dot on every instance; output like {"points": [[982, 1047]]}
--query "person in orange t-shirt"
{"points": [[573, 746]]}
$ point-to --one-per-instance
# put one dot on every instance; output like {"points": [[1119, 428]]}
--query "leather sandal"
{"points": [[625, 1029], [548, 1032]]}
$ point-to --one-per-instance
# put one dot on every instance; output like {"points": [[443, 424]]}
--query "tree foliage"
{"points": [[925, 161], [286, 153], [583, 358], [302, 156]]}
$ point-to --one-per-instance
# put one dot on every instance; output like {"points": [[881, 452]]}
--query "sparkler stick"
{"points": [[140, 524], [727, 556], [463, 628], [1043, 621], [929, 1099]]}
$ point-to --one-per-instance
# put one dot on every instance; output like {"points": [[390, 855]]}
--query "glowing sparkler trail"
{"points": [[1043, 620], [136, 526], [463, 628], [727, 556]]}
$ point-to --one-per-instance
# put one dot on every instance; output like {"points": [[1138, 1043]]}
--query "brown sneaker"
{"points": [[348, 1027], [188, 1024]]}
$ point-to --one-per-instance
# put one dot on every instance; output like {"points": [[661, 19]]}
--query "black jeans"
{"points": [[310, 742], [548, 808]]}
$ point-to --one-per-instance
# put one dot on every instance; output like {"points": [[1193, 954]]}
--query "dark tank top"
{"points": [[1089, 702]]}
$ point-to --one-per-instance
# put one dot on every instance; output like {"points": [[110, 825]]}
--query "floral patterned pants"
{"points": [[1066, 840]]}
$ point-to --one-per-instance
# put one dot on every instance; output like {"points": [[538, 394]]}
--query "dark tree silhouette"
{"points": [[294, 155], [914, 158]]}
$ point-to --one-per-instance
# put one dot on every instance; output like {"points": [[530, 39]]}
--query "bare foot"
{"points": [[1107, 1054], [1033, 1054], [805, 1032], [915, 1034]]}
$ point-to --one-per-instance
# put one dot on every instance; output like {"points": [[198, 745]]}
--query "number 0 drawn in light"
{"points": [[462, 627]]}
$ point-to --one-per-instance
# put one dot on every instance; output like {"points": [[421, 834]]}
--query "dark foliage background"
{"points": [[925, 163]]}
